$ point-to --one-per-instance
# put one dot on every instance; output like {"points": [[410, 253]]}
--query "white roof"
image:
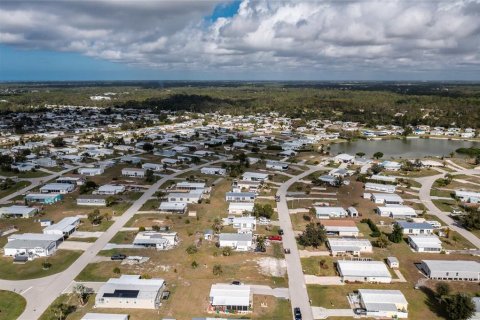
{"points": [[110, 188], [147, 288], [235, 237], [422, 241], [328, 210], [241, 205], [56, 186], [16, 210], [453, 265], [104, 316], [196, 185], [382, 300], [397, 210], [34, 236], [383, 178], [363, 268], [173, 205], [230, 295], [64, 225], [387, 197]]}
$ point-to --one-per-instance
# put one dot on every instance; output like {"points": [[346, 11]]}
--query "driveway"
{"points": [[323, 313], [74, 245], [267, 291], [326, 281]]}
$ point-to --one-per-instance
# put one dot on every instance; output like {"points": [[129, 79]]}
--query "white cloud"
{"points": [[261, 36]]}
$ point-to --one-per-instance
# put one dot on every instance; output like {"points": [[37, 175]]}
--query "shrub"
{"points": [[217, 270], [116, 270], [191, 249]]}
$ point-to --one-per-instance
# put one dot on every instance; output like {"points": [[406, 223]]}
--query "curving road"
{"points": [[41, 292], [296, 280]]}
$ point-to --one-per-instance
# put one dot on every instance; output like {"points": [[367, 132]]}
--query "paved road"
{"points": [[40, 293], [426, 199], [296, 281]]}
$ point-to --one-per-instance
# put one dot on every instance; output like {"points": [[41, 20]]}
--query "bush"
{"points": [[227, 251], [191, 249], [375, 231], [217, 270], [140, 229], [116, 270], [46, 265], [194, 264]]}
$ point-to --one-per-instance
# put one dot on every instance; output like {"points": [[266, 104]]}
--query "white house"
{"points": [[61, 188], [152, 166], [428, 244], [344, 158], [133, 172], [456, 270], [414, 228], [240, 208], [91, 200], [255, 176], [213, 171], [240, 196], [330, 212], [64, 227], [131, 292], [387, 188], [391, 165], [32, 245], [244, 224], [173, 207], [228, 298], [386, 199], [105, 316], [236, 241], [110, 189], [157, 239], [468, 196], [353, 246], [384, 303], [91, 171], [277, 165], [363, 271], [396, 212], [342, 228], [188, 197], [17, 212]]}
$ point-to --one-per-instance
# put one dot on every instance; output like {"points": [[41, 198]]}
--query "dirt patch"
{"points": [[272, 267]]}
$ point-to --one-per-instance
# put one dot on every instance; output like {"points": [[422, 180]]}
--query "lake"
{"points": [[402, 148]]}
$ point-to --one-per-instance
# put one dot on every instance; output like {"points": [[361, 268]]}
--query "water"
{"points": [[402, 148]]}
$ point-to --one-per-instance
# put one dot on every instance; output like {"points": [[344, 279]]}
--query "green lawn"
{"points": [[60, 261], [17, 186], [29, 174], [123, 237], [312, 266], [444, 205], [91, 271], [11, 305]]}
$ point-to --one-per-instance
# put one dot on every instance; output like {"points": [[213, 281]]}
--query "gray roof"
{"points": [[414, 225], [363, 268], [453, 265], [235, 237]]}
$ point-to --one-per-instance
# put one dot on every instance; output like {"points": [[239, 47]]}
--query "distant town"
{"points": [[111, 212]]}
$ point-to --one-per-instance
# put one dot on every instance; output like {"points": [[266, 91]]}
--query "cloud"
{"points": [[263, 36]]}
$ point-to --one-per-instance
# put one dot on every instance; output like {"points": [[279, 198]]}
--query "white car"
{"points": [[263, 221]]}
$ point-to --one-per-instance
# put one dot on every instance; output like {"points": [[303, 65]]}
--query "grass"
{"points": [[123, 237], [17, 186], [312, 266], [11, 305], [91, 271], [60, 261], [444, 205], [29, 174]]}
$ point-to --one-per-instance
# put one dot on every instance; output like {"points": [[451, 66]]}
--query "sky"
{"points": [[239, 40]]}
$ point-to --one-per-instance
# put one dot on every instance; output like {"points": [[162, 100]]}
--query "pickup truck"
{"points": [[275, 238]]}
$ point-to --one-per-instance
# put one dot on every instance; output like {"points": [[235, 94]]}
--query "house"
{"points": [[130, 291], [240, 207], [110, 189], [244, 185], [169, 161], [188, 197], [386, 199], [173, 207], [255, 176], [396, 212], [387, 188], [213, 171], [244, 224], [75, 180], [330, 212], [391, 165], [152, 166], [17, 212], [363, 271], [131, 159], [133, 172], [393, 262], [352, 212], [43, 198], [105, 316], [64, 227], [277, 165], [328, 179], [236, 241], [342, 228], [46, 162], [343, 158], [90, 171], [228, 298], [383, 303], [467, 196], [456, 270], [240, 197], [353, 246], [190, 186], [91, 200], [387, 179], [62, 188], [421, 243], [415, 227], [32, 245], [157, 239]]}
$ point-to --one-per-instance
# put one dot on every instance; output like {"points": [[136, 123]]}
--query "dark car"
{"points": [[236, 283], [360, 311], [286, 251], [297, 313], [277, 198], [280, 232], [118, 256]]}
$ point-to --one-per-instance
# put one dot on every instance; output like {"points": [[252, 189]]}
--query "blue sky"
{"points": [[256, 40]]}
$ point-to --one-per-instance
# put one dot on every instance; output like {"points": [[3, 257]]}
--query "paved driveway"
{"points": [[323, 313], [267, 291]]}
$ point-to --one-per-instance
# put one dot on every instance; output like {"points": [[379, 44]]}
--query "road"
{"points": [[41, 292], [426, 199], [296, 281]]}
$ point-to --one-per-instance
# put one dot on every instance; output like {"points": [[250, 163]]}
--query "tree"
{"points": [[95, 217], [227, 251], [149, 177], [471, 220], [81, 292], [88, 186], [360, 154], [60, 310], [382, 241], [217, 225], [459, 307], [378, 155], [397, 235], [194, 264], [376, 168], [265, 211], [217, 269], [58, 142], [148, 147], [191, 249], [6, 162], [314, 235], [261, 244], [110, 200], [442, 289]]}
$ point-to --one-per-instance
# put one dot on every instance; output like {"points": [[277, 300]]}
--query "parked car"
{"points": [[280, 232], [236, 283], [286, 251], [277, 198], [118, 256], [297, 313], [275, 238], [263, 221], [360, 311]]}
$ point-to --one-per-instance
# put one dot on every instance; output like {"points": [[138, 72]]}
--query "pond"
{"points": [[402, 148]]}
